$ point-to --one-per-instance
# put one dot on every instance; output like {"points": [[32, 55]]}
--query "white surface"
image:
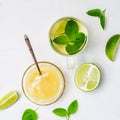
{"points": [[35, 17]]}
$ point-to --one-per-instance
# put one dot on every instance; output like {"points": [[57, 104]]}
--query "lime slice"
{"points": [[111, 46], [60, 27], [9, 99], [87, 77]]}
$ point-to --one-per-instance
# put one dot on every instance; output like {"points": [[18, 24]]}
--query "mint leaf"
{"points": [[60, 112], [77, 37], [80, 36], [72, 108], [74, 47], [71, 28], [102, 21], [29, 114], [61, 40], [100, 14], [94, 12]]}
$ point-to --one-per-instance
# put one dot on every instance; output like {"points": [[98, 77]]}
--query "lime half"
{"points": [[111, 46], [9, 99], [87, 77]]}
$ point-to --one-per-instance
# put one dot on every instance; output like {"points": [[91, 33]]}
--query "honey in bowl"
{"points": [[43, 89]]}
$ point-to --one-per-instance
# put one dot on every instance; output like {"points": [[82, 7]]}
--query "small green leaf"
{"points": [[75, 46], [102, 21], [72, 48], [62, 40], [80, 36], [100, 14], [29, 114], [94, 12], [72, 108], [60, 112], [71, 28]]}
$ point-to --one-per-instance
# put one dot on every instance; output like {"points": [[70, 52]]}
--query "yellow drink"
{"points": [[45, 89], [65, 36]]}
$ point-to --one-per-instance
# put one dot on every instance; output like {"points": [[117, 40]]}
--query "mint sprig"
{"points": [[62, 40], [71, 28], [62, 112], [100, 14], [102, 21], [73, 107], [72, 38], [29, 114]]}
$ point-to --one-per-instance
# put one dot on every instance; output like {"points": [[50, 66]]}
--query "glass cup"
{"points": [[68, 36], [44, 89]]}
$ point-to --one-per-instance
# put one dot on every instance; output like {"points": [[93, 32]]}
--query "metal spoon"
{"points": [[32, 53]]}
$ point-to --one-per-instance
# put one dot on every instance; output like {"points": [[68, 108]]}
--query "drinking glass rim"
{"points": [[50, 101]]}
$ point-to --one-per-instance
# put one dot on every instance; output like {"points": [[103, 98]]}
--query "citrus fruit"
{"points": [[9, 99], [111, 46], [60, 28], [87, 77]]}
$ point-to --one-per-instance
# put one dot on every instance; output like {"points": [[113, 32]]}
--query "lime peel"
{"points": [[111, 46]]}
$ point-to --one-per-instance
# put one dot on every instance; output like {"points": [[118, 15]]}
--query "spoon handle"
{"points": [[32, 52]]}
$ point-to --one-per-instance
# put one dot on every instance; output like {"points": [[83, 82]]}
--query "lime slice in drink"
{"points": [[111, 46], [87, 77], [60, 28], [9, 99]]}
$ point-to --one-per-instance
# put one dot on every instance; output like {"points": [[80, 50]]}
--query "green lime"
{"points": [[87, 77], [60, 28], [111, 46], [9, 99]]}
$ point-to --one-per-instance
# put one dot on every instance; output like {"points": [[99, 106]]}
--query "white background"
{"points": [[35, 17]]}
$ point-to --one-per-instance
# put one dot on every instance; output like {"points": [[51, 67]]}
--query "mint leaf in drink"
{"points": [[60, 112], [94, 12], [72, 108], [62, 40], [29, 114], [72, 48], [72, 39], [76, 45], [71, 28], [102, 21], [100, 14], [80, 36]]}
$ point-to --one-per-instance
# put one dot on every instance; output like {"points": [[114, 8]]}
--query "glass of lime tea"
{"points": [[68, 36]]}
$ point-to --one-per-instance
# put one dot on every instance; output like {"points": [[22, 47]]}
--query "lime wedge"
{"points": [[87, 77], [111, 46], [9, 99], [60, 27]]}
